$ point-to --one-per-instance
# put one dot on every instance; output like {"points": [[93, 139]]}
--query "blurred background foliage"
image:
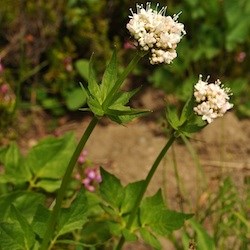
{"points": [[45, 47]]}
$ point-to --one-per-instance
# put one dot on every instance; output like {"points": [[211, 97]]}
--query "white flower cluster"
{"points": [[156, 32], [212, 99]]}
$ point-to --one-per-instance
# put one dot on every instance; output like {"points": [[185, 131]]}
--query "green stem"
{"points": [[196, 160], [122, 77], [177, 177], [65, 181], [145, 186]]}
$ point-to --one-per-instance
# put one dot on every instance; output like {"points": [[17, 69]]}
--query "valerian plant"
{"points": [[114, 213]]}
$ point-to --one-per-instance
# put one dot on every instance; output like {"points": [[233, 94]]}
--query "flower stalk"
{"points": [[64, 185]]}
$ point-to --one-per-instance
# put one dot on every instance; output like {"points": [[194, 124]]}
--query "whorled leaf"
{"points": [[103, 99]]}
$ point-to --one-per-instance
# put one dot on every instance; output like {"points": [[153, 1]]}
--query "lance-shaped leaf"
{"points": [[109, 78], [187, 110], [124, 97], [125, 114], [93, 86], [153, 214], [172, 117]]}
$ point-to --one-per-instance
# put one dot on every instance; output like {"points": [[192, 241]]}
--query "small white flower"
{"points": [[212, 99], [156, 32]]}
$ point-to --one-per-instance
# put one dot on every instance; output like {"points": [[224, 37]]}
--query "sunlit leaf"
{"points": [[50, 157], [150, 239], [74, 217], [130, 197], [110, 76], [111, 189], [162, 221]]}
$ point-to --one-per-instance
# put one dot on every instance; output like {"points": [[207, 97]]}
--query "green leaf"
{"points": [[50, 157], [95, 106], [16, 233], [93, 86], [161, 220], [120, 110], [109, 77], [204, 240], [76, 99], [82, 66], [11, 237], [40, 219], [194, 124], [172, 117], [150, 239], [96, 232], [49, 185], [15, 171], [187, 110], [129, 236], [74, 217], [130, 197], [123, 114], [124, 97], [26, 202], [193, 128], [187, 88], [111, 189]]}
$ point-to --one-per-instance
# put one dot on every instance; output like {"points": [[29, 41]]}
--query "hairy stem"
{"points": [[145, 186], [65, 181]]}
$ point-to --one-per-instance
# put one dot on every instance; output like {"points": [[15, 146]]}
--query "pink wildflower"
{"points": [[92, 177], [82, 157]]}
